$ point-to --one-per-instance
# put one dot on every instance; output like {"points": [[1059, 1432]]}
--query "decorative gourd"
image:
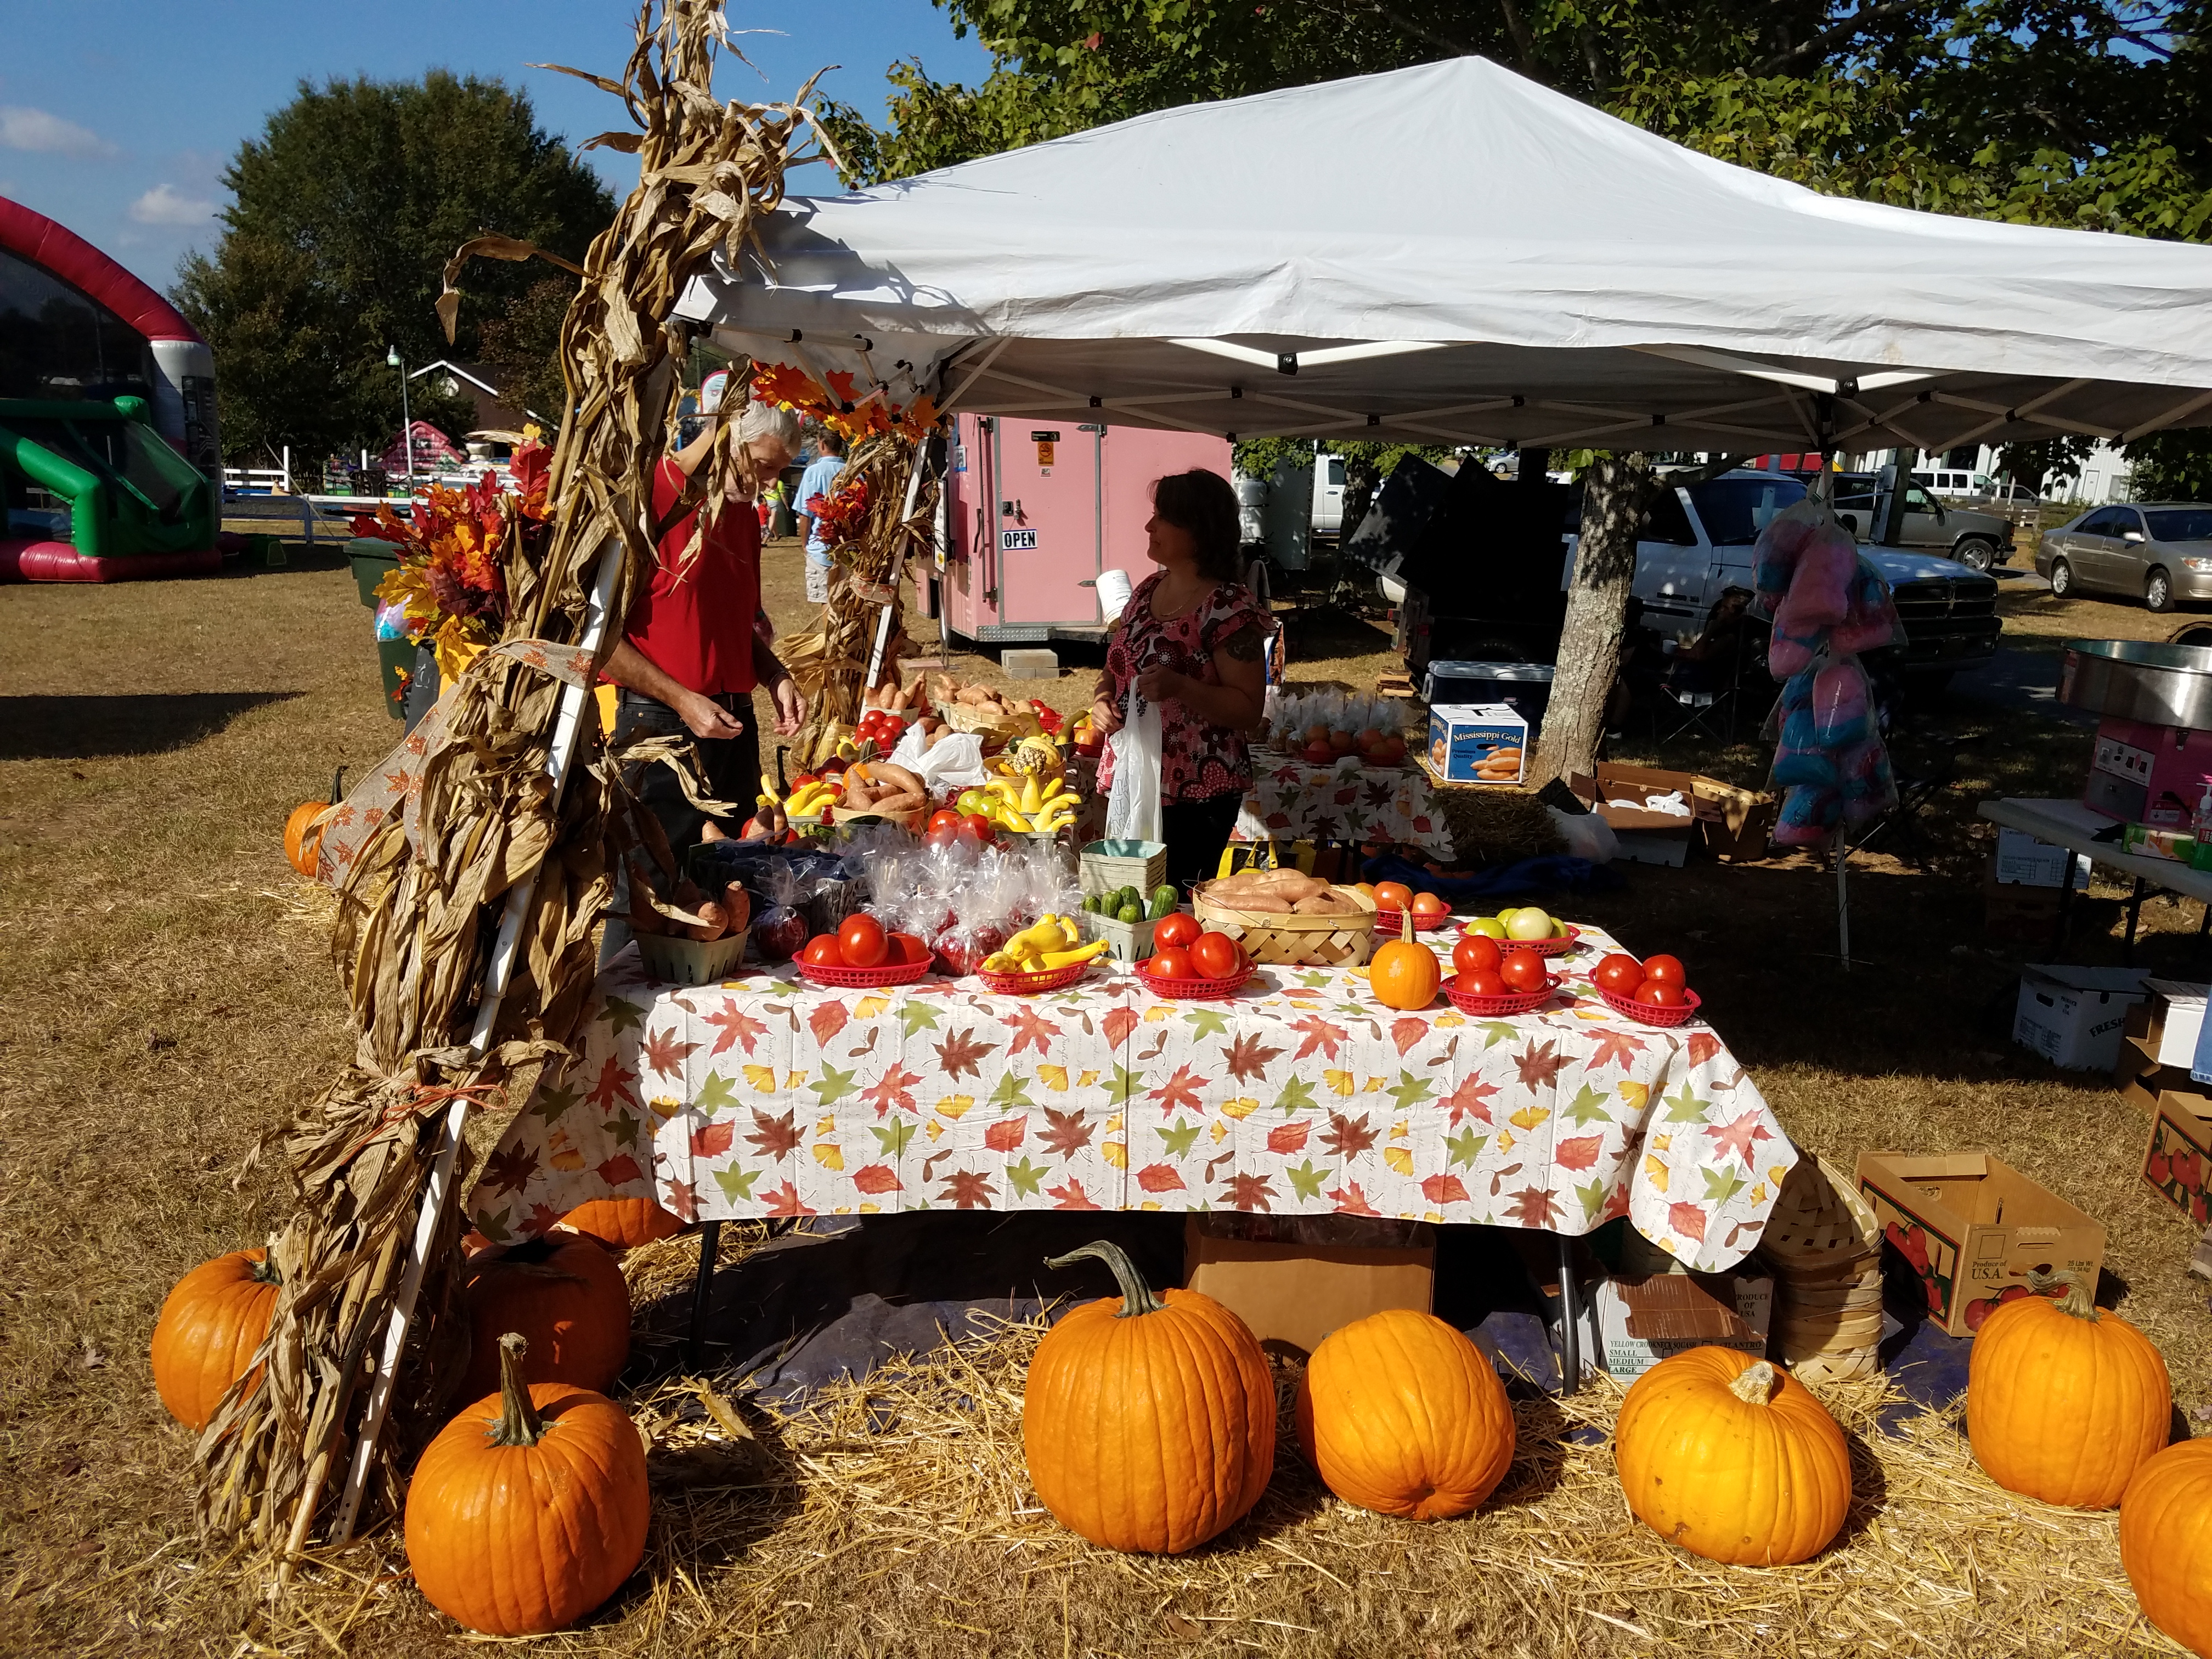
{"points": [[1405, 974], [2166, 1542], [1732, 1460], [529, 1508], [303, 836], [567, 1298], [2064, 1400], [1402, 1414], [621, 1223], [1149, 1422], [211, 1325]]}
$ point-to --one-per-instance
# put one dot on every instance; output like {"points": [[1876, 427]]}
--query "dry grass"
{"points": [[167, 1000]]}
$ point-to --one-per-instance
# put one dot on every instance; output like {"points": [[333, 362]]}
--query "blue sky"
{"points": [[117, 116]]}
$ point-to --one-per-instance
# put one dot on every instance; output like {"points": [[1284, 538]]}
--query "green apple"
{"points": [[1528, 924], [1558, 928], [974, 800], [1506, 913], [1488, 926]]}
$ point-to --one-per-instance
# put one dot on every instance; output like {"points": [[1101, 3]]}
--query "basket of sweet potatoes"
{"points": [[1285, 916], [879, 789]]}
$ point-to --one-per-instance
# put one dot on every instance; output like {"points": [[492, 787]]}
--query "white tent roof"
{"points": [[1453, 253]]}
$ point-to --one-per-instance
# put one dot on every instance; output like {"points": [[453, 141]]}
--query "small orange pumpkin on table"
{"points": [[1405, 973]]}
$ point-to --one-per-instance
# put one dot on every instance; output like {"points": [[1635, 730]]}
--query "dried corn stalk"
{"points": [[480, 819]]}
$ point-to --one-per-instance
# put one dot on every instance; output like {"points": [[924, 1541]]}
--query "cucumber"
{"points": [[1164, 899], [1091, 903], [1131, 914]]}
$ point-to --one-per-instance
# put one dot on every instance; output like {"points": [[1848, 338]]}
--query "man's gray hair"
{"points": [[768, 421]]}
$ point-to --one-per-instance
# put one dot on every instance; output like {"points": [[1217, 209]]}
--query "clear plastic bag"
{"points": [[1132, 808]]}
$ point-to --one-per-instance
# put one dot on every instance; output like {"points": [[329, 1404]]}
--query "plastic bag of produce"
{"points": [[779, 932]]}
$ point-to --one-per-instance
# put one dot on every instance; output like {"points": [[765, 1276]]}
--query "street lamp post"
{"points": [[406, 421]]}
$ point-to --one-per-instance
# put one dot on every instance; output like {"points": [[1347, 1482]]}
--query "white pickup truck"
{"points": [[1280, 517]]}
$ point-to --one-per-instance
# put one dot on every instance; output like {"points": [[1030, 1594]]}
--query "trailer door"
{"points": [[1047, 544]]}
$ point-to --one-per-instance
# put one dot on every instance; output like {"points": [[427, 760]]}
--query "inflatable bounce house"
{"points": [[109, 465]]}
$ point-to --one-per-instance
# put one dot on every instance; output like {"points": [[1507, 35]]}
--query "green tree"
{"points": [[347, 207], [522, 347]]}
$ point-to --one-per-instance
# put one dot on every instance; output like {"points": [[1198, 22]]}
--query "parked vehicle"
{"points": [[2160, 551], [1283, 516], [1980, 541]]}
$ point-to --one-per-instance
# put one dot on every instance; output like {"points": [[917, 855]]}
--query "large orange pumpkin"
{"points": [[2166, 1542], [1732, 1460], [621, 1223], [1402, 1414], [529, 1508], [2064, 1400], [211, 1323], [565, 1295], [1149, 1422], [303, 836], [1405, 973]]}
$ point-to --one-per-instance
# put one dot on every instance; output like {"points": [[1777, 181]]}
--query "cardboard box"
{"points": [[2021, 860], [1295, 1278], [2141, 1079], [1966, 1225], [1463, 738], [1632, 1321], [2178, 1162], [2167, 1021], [1745, 824], [2074, 1017], [2019, 911]]}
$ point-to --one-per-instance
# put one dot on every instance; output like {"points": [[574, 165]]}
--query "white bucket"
{"points": [[1114, 591]]}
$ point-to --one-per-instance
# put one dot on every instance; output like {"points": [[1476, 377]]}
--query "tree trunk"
{"points": [[1616, 490]]}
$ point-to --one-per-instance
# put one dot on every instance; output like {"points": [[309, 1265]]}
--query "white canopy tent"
{"points": [[1451, 253]]}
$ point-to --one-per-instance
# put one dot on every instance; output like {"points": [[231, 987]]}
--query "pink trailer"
{"points": [[1035, 512]]}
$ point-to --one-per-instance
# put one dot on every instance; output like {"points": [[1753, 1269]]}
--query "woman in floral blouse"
{"points": [[1193, 640]]}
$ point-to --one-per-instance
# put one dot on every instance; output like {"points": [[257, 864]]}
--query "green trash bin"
{"points": [[396, 658], [372, 561]]}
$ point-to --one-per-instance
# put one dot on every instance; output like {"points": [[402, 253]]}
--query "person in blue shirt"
{"points": [[819, 479]]}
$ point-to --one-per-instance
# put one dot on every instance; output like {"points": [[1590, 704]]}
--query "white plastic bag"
{"points": [[951, 763], [1133, 807], [1587, 836]]}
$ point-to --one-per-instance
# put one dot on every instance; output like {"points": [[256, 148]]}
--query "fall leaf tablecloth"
{"points": [[764, 1096], [1290, 800]]}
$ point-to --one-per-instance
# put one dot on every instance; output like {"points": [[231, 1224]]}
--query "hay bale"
{"points": [[1491, 824]]}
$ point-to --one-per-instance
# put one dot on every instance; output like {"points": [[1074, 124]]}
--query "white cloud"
{"points": [[162, 205], [23, 128]]}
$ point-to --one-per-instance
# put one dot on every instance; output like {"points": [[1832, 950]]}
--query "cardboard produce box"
{"points": [[1967, 1225], [2141, 1079], [1745, 822], [1295, 1278], [1478, 743], [2167, 1020], [2074, 1017], [2021, 860], [1654, 838], [1631, 1321], [2178, 1162]]}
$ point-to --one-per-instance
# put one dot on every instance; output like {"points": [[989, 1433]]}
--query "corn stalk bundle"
{"points": [[467, 811]]}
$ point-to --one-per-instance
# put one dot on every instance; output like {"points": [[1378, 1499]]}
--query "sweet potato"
{"points": [[897, 777], [739, 905], [910, 800], [1328, 902], [713, 921], [859, 792], [1271, 903]]}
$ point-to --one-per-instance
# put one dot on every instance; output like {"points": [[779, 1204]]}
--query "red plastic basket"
{"points": [[1030, 984], [863, 979], [1513, 1002], [1391, 924], [1647, 1013], [1542, 947], [1192, 987]]}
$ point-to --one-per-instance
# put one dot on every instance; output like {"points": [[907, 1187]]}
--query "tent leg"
{"points": [[710, 1245], [1842, 900], [1571, 1357]]}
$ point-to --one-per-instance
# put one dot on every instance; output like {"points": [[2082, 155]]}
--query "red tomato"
{"points": [[909, 949], [1482, 982], [1660, 994], [944, 818], [979, 824], [821, 952], [1217, 956], [1475, 952], [1180, 929], [861, 939], [1174, 962], [1523, 970], [1620, 974], [1667, 971]]}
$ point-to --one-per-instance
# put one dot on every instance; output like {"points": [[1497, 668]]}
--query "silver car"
{"points": [[2159, 551]]}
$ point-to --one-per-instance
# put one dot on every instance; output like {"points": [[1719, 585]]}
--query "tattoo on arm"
{"points": [[1246, 644]]}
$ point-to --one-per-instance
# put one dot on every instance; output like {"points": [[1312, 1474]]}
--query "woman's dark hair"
{"points": [[1203, 505]]}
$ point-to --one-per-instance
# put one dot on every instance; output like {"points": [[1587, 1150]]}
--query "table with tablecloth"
{"points": [[1345, 801], [765, 1097]]}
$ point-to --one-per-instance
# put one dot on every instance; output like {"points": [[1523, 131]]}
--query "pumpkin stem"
{"points": [[1755, 1387], [518, 1422], [1137, 1296], [1406, 923], [2073, 1296], [265, 1270]]}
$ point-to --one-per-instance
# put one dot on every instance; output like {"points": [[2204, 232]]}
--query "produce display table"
{"points": [[1348, 801], [2069, 824]]}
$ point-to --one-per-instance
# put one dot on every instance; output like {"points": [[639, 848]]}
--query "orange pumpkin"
{"points": [[1401, 1414], [621, 1223], [303, 834], [2064, 1400], [529, 1508], [1732, 1460], [2166, 1542], [1149, 1422], [565, 1295], [211, 1325], [1405, 974]]}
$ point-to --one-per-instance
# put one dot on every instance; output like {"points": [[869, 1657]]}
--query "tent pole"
{"points": [[576, 701], [1843, 898]]}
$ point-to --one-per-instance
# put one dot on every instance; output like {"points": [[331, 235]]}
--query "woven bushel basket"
{"points": [[1825, 1246], [1289, 939]]}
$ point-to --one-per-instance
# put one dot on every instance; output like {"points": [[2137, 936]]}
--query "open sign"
{"points": [[1018, 541]]}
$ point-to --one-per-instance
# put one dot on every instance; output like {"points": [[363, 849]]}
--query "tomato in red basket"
{"points": [[821, 952], [1620, 974], [1216, 956], [944, 818], [1667, 971], [1179, 928], [862, 941], [1523, 970], [1174, 962], [907, 948], [1482, 982], [1475, 952], [1660, 994], [979, 824]]}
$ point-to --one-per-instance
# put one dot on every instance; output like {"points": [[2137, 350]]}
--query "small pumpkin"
{"points": [[529, 1508], [1401, 1414], [1405, 973], [1732, 1460], [621, 1223], [211, 1325], [564, 1294], [2064, 1401], [2166, 1542], [303, 830], [1148, 1421]]}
